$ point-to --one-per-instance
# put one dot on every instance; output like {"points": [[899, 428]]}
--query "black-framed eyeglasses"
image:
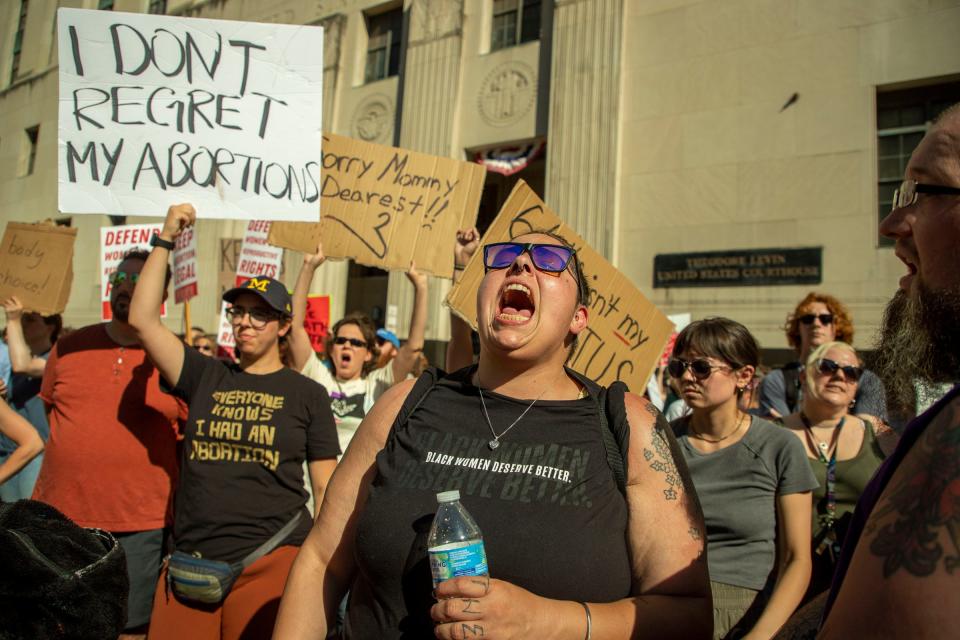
{"points": [[550, 258], [824, 318], [908, 191], [354, 342], [700, 368], [204, 348], [259, 317], [828, 367], [119, 277]]}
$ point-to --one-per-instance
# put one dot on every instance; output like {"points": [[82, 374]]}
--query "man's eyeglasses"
{"points": [[259, 317], [828, 367], [119, 277], [204, 348], [824, 318], [700, 368], [354, 342], [907, 194], [550, 258]]}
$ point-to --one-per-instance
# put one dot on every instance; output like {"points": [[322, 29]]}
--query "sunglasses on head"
{"points": [[119, 277], [808, 318], [341, 340], [828, 367], [550, 258], [700, 368]]}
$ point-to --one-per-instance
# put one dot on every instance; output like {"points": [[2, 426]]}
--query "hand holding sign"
{"points": [[179, 217], [13, 308], [468, 241]]}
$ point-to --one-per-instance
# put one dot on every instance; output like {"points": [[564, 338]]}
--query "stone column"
{"points": [[431, 86], [583, 138]]}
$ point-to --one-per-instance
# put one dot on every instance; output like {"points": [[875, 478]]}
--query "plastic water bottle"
{"points": [[455, 544]]}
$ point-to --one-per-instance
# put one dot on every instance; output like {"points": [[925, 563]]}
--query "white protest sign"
{"points": [[185, 266], [159, 109], [257, 258], [225, 340], [116, 242]]}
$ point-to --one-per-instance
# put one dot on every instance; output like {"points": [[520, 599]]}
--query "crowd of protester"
{"points": [[191, 475]]}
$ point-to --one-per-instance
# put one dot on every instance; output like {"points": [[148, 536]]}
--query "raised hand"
{"points": [[13, 308], [179, 217], [416, 278], [468, 241], [314, 260]]}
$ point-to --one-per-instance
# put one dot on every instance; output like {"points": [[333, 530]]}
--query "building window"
{"points": [[158, 7], [514, 22], [383, 44], [18, 40], [903, 117], [29, 158], [105, 5]]}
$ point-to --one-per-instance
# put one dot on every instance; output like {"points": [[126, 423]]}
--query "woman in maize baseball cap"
{"points": [[240, 511]]}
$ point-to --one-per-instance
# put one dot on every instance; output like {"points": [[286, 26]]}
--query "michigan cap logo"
{"points": [[258, 284]]}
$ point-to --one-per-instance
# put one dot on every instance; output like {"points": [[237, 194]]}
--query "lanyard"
{"points": [[831, 463]]}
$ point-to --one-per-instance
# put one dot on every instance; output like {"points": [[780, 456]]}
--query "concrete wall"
{"points": [[710, 162]]}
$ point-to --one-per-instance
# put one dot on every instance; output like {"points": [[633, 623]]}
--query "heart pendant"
{"points": [[493, 444]]}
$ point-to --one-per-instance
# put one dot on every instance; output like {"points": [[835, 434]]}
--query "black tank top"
{"points": [[546, 501]]}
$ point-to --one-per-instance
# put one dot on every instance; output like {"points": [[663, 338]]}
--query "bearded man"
{"points": [[899, 573]]}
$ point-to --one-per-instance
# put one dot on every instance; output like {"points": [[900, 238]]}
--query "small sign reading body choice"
{"points": [[384, 207], [625, 333], [36, 265], [158, 109]]}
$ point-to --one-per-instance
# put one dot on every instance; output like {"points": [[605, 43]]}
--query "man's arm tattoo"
{"points": [[925, 504]]}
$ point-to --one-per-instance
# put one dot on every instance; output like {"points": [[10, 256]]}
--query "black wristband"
{"points": [[458, 267], [157, 241]]}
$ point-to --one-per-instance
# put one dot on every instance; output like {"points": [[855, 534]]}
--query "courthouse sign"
{"points": [[743, 268]]}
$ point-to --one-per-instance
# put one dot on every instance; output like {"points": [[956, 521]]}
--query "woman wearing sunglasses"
{"points": [[349, 370], [842, 449], [251, 426], [519, 436], [752, 479], [818, 318]]}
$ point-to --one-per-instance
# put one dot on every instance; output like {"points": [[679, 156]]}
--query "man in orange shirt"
{"points": [[111, 459]]}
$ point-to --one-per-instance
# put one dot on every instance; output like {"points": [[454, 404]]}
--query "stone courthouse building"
{"points": [[727, 155]]}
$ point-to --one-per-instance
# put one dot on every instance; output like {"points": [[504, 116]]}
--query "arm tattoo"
{"points": [[471, 631], [660, 455], [924, 504]]}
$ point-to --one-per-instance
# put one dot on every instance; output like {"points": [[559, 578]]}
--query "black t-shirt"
{"points": [[246, 439], [546, 501]]}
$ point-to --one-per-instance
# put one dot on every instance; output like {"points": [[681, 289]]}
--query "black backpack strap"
{"points": [[426, 382], [614, 428], [791, 385]]}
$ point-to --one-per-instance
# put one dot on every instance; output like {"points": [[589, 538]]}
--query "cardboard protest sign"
{"points": [[185, 266], [116, 242], [317, 321], [159, 109], [625, 334], [257, 258], [36, 265], [384, 207]]}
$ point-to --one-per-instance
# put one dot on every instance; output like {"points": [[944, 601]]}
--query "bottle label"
{"points": [[470, 559]]}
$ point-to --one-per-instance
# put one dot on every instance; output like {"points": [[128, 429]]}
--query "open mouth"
{"points": [[516, 304], [345, 359]]}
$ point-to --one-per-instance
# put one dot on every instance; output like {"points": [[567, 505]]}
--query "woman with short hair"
{"points": [[752, 479], [569, 554], [842, 449]]}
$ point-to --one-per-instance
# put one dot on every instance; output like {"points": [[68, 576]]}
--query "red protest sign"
{"points": [[317, 320]]}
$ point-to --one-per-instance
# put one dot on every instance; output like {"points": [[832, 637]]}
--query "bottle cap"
{"points": [[448, 496]]}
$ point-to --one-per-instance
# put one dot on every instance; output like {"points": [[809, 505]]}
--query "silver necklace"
{"points": [[493, 444]]}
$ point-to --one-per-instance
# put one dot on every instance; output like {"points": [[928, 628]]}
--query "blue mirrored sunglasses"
{"points": [[551, 258]]}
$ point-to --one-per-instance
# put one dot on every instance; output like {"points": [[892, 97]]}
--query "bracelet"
{"points": [[458, 267], [589, 622]]}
